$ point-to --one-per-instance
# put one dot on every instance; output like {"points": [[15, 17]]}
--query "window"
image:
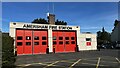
{"points": [[28, 38], [43, 38], [36, 43], [88, 39], [60, 42], [66, 38], [73, 42], [54, 37], [67, 42], [54, 42], [19, 38], [19, 43], [43, 43], [36, 38], [28, 43], [60, 38], [72, 38]]}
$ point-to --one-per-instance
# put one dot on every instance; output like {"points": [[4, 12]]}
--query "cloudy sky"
{"points": [[90, 16]]}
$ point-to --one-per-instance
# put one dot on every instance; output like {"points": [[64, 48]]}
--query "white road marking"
{"points": [[27, 65], [75, 63], [98, 62], [52, 64], [117, 60]]}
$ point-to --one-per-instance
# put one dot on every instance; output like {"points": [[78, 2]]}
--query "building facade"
{"points": [[43, 38], [37, 38]]}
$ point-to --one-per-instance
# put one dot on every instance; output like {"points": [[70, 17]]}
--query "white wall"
{"points": [[83, 45]]}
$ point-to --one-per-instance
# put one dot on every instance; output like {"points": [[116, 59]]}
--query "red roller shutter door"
{"points": [[20, 41], [28, 42], [43, 41], [60, 41], [64, 41], [70, 42], [55, 41], [40, 41], [37, 42]]}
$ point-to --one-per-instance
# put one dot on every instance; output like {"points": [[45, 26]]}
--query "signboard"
{"points": [[53, 27]]}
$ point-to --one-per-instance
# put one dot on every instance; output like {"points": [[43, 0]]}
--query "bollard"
{"points": [[53, 49], [16, 51], [77, 49], [47, 50]]}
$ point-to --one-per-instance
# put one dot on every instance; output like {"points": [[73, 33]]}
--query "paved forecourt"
{"points": [[93, 59]]}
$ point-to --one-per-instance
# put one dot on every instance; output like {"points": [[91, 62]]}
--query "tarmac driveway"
{"points": [[105, 58]]}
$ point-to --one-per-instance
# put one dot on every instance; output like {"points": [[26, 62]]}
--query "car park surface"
{"points": [[105, 58]]}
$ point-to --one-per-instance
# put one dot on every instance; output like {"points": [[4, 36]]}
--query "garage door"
{"points": [[64, 41], [40, 41], [19, 41], [58, 41], [31, 41], [70, 41]]}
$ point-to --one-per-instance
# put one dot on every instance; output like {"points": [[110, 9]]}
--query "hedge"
{"points": [[8, 57]]}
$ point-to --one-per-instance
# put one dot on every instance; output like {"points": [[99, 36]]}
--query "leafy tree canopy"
{"points": [[43, 21], [115, 23], [40, 21], [103, 36]]}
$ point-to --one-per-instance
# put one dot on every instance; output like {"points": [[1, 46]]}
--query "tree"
{"points": [[8, 57], [57, 22], [103, 37], [43, 21], [40, 21], [115, 23]]}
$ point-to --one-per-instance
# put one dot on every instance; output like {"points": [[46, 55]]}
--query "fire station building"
{"points": [[39, 38]]}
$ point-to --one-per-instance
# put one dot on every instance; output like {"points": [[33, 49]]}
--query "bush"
{"points": [[8, 57]]}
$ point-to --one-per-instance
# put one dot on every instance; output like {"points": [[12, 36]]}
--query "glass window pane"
{"points": [[88, 39], [72, 38], [73, 42], [66, 38], [60, 42], [54, 43], [36, 38], [28, 38], [60, 38], [54, 37], [67, 42], [19, 43], [43, 38], [43, 43], [19, 38], [28, 43], [36, 43]]}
